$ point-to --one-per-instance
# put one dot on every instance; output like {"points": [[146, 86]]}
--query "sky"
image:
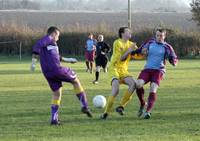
{"points": [[186, 2], [138, 5]]}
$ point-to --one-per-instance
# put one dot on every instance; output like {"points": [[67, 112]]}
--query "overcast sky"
{"points": [[186, 2], [137, 5]]}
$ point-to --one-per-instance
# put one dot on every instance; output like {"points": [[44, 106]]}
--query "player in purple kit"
{"points": [[157, 51], [55, 74]]}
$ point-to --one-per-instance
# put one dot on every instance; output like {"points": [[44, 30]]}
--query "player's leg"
{"points": [[127, 95], [98, 68], [92, 55], [140, 94], [143, 78], [99, 64], [151, 99], [152, 96], [111, 98], [105, 69], [87, 65], [56, 87], [91, 66], [155, 82], [87, 61], [68, 75], [81, 95], [56, 99], [104, 64]]}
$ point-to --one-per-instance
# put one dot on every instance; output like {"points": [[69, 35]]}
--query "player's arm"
{"points": [[172, 57], [36, 49], [107, 48], [143, 49], [34, 61], [128, 52], [68, 60], [86, 44], [35, 56], [94, 49], [116, 52]]}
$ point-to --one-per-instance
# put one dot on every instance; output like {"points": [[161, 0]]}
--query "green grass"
{"points": [[25, 107]]}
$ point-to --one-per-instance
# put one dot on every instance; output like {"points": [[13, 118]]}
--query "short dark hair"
{"points": [[122, 30], [52, 29], [162, 30]]}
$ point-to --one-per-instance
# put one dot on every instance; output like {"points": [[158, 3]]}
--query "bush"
{"points": [[73, 42]]}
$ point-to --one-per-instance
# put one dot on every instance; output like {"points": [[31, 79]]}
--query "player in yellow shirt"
{"points": [[118, 71]]}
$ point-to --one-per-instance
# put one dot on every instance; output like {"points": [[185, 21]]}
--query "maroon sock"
{"points": [[151, 101], [140, 94]]}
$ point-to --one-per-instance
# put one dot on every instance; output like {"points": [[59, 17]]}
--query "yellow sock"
{"points": [[78, 90], [126, 98], [56, 102], [109, 104]]}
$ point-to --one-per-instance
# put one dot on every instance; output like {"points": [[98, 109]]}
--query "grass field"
{"points": [[25, 107]]}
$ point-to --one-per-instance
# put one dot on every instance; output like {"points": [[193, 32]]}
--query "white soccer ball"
{"points": [[99, 101]]}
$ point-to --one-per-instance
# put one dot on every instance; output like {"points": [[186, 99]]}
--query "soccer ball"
{"points": [[99, 101]]}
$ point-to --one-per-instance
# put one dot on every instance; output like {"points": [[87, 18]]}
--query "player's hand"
{"points": [[32, 68], [173, 61], [134, 47], [69, 60], [129, 50], [33, 64], [144, 51], [73, 60], [103, 53]]}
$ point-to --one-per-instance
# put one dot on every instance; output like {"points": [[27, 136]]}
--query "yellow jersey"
{"points": [[119, 69]]}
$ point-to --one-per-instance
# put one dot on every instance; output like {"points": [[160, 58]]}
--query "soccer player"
{"points": [[157, 51], [55, 74], [101, 59], [118, 71], [90, 52]]}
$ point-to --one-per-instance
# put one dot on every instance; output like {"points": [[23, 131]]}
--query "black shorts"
{"points": [[101, 61]]}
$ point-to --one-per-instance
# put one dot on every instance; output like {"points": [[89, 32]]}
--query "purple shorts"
{"points": [[55, 78], [89, 55], [151, 75]]}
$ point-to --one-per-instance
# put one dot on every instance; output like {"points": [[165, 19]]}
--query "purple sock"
{"points": [[83, 100], [54, 112]]}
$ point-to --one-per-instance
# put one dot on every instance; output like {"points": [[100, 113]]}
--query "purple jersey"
{"points": [[50, 63], [49, 54]]}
